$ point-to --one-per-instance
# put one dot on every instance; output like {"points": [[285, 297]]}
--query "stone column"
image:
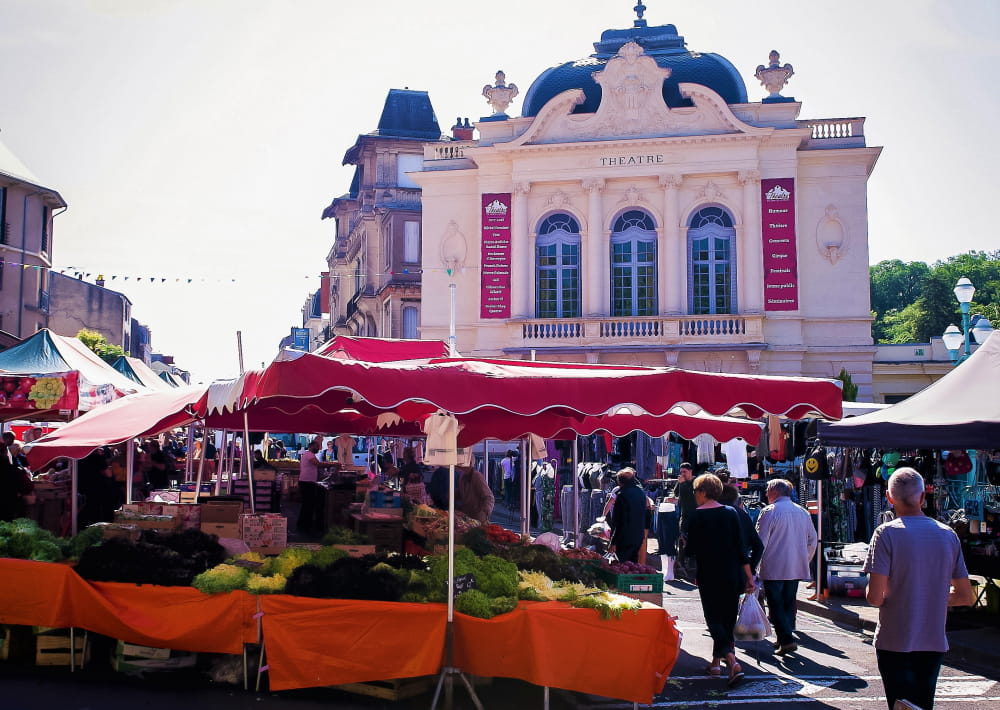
{"points": [[751, 260], [522, 248], [595, 258], [671, 266]]}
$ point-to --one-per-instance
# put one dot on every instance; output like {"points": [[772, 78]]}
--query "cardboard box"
{"points": [[132, 658], [221, 511], [266, 533], [124, 531], [650, 597], [222, 529], [357, 550]]}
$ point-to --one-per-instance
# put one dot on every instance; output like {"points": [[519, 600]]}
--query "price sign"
{"points": [[464, 583]]}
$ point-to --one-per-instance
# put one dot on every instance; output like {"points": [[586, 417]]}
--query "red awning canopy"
{"points": [[491, 398], [346, 347], [463, 385]]}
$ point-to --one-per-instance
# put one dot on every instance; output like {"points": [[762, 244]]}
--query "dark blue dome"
{"points": [[661, 43]]}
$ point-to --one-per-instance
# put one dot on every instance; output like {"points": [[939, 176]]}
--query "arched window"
{"points": [[557, 267], [633, 265], [711, 262]]}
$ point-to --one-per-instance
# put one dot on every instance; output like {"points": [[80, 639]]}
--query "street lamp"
{"points": [[954, 338]]}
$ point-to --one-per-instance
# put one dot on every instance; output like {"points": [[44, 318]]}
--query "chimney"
{"points": [[100, 280], [460, 131]]}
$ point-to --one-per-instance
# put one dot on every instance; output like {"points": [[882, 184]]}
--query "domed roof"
{"points": [[664, 45]]}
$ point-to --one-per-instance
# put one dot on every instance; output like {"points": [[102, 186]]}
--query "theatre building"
{"points": [[642, 210]]}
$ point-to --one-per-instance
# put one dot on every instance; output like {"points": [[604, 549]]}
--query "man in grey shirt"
{"points": [[789, 538], [916, 572]]}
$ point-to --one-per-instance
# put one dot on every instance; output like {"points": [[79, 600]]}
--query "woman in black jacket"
{"points": [[715, 538]]}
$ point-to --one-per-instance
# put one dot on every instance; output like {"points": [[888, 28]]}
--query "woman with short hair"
{"points": [[715, 538]]}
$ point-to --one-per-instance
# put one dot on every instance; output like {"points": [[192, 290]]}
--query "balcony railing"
{"points": [[835, 132], [447, 151], [709, 329]]}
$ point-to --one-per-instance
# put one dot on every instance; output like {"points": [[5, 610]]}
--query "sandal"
{"points": [[736, 675], [714, 671]]}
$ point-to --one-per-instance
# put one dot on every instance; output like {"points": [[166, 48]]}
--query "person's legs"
{"points": [[926, 666], [628, 553], [897, 675], [720, 609], [307, 513], [777, 608], [789, 593]]}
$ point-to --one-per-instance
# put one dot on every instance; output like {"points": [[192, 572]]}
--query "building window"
{"points": [[408, 164], [633, 265], [3, 215], [410, 321], [45, 230], [557, 267], [711, 262], [411, 242]]}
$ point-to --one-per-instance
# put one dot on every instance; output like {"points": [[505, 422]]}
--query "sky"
{"points": [[198, 141]]}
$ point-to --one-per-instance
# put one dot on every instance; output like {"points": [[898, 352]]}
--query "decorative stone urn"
{"points": [[773, 77], [500, 95]]}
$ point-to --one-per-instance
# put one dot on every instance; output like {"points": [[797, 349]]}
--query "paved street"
{"points": [[834, 668]]}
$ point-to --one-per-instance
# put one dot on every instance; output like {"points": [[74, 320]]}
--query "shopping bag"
{"points": [[751, 622]]}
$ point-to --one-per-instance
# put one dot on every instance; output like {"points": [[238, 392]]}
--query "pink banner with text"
{"points": [[777, 217], [495, 275]]}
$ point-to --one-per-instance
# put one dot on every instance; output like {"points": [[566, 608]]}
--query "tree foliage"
{"points": [[913, 302], [850, 390], [109, 352]]}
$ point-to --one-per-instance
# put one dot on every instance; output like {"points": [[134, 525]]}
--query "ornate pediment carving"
{"points": [[632, 106]]}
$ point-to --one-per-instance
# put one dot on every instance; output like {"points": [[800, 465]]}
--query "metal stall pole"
{"points": [[201, 462], [130, 469], [576, 492], [220, 462], [819, 539], [525, 485], [188, 451], [245, 456], [74, 505]]}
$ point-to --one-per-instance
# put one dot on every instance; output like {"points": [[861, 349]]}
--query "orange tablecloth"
{"points": [[545, 643], [181, 618], [315, 642]]}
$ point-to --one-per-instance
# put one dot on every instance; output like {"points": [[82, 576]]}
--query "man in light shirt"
{"points": [[789, 538], [311, 515], [916, 571]]}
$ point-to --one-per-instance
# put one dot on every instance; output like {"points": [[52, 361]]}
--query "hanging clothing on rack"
{"points": [[706, 448], [441, 429], [735, 451]]}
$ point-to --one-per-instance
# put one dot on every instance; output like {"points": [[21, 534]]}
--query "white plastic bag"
{"points": [[751, 623]]}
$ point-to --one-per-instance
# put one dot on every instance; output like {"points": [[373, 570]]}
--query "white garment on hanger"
{"points": [[736, 458], [442, 439], [706, 448]]}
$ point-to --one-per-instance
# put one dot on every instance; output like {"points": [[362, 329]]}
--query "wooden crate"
{"points": [[53, 649], [394, 690]]}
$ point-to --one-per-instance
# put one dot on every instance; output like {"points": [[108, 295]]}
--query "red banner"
{"points": [[494, 301], [777, 217], [57, 390]]}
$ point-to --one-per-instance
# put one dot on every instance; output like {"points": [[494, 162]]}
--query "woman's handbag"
{"points": [[751, 623]]}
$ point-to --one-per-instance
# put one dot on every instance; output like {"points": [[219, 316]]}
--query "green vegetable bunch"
{"points": [[285, 563], [221, 578], [476, 603], [337, 535], [260, 584], [23, 539]]}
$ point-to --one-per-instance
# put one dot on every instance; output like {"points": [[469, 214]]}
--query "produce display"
{"points": [[495, 567], [628, 568], [24, 539], [581, 553], [170, 560]]}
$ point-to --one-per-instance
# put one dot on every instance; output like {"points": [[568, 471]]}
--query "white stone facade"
{"points": [[635, 153]]}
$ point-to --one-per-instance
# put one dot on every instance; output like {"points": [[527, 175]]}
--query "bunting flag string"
{"points": [[78, 273]]}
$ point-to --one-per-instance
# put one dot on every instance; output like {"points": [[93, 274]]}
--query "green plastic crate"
{"points": [[632, 583]]}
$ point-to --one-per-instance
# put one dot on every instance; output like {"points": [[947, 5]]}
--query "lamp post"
{"points": [[980, 329]]}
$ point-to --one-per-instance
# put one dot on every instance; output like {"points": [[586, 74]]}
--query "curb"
{"points": [[838, 615], [956, 646]]}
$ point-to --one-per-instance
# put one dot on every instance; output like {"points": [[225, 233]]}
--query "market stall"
{"points": [[310, 392], [959, 415]]}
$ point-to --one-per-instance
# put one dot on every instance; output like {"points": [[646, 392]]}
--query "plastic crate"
{"points": [[632, 582]]}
